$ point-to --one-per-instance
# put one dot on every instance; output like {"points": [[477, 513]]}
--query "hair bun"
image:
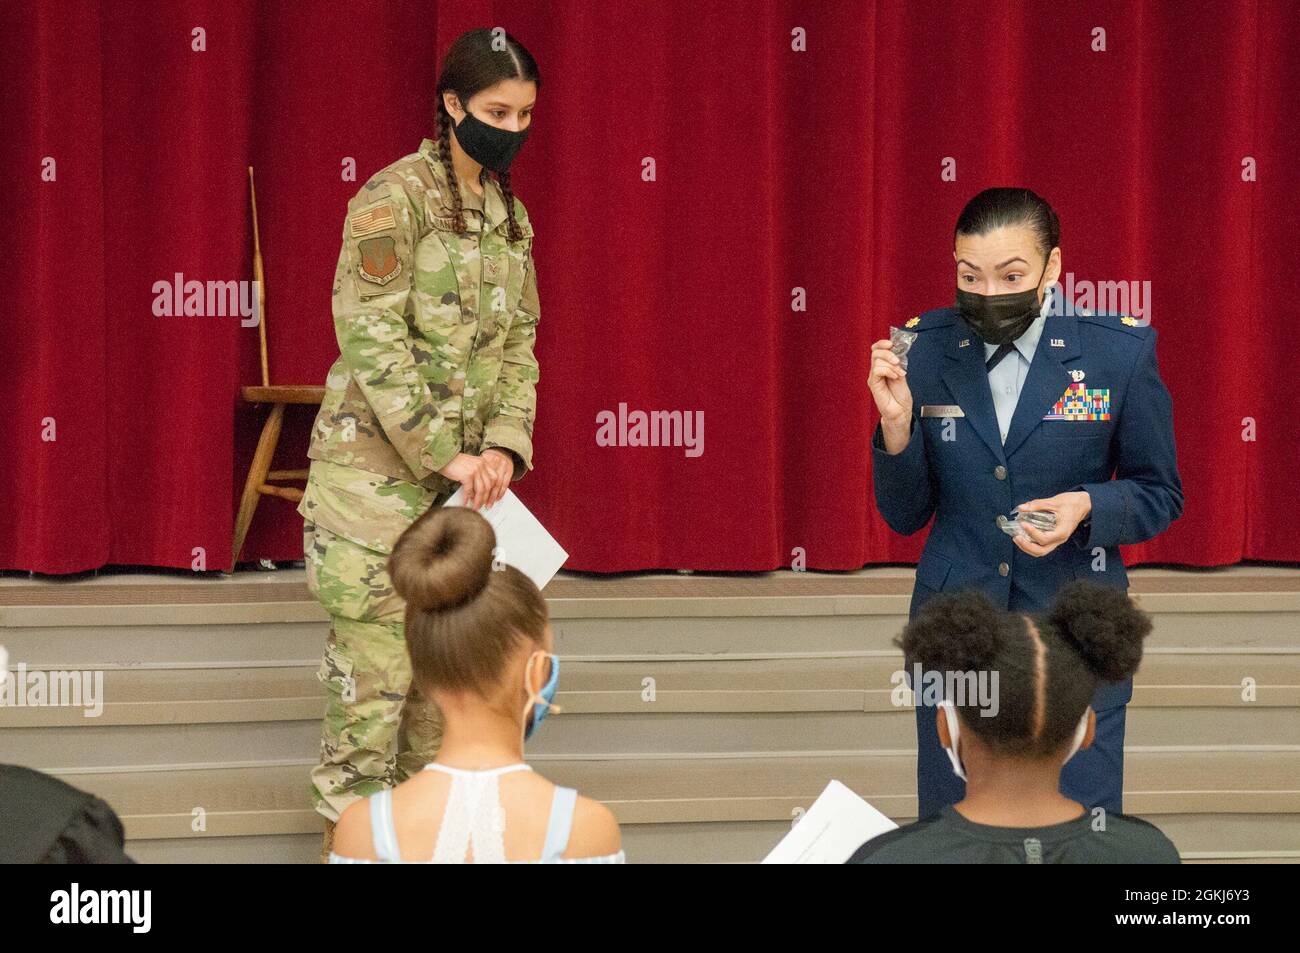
{"points": [[1104, 625], [956, 632], [443, 559]]}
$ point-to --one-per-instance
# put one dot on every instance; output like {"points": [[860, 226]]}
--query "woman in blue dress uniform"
{"points": [[1011, 400]]}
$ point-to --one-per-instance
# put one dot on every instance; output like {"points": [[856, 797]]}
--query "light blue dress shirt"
{"points": [[1006, 380]]}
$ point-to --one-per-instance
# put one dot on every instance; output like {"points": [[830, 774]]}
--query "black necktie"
{"points": [[1002, 351]]}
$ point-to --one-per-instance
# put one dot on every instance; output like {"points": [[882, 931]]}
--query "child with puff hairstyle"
{"points": [[481, 646], [1048, 669]]}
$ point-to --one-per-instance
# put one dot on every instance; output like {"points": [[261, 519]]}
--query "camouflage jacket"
{"points": [[435, 330]]}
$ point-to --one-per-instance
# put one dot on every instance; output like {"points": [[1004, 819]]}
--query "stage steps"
{"points": [[706, 710]]}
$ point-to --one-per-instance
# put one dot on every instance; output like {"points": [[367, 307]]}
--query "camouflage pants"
{"points": [[378, 730]]}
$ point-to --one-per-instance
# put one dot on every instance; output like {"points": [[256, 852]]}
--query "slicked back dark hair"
{"points": [[1011, 208]]}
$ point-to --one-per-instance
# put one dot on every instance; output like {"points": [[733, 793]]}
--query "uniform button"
{"points": [[1000, 472], [1003, 569]]}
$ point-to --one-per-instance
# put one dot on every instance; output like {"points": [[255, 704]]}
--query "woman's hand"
{"points": [[1070, 509], [484, 478], [503, 469], [888, 383]]}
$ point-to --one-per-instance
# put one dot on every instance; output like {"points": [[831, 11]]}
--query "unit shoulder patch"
{"points": [[379, 262]]}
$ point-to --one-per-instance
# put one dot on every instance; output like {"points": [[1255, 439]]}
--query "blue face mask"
{"points": [[547, 695]]}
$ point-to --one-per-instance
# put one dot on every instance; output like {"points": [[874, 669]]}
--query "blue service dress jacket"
{"points": [[1093, 414]]}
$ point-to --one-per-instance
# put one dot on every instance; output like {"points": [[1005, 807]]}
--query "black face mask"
{"points": [[1000, 319], [489, 146]]}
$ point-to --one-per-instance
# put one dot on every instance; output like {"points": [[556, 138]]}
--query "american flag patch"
{"points": [[1081, 403], [377, 218]]}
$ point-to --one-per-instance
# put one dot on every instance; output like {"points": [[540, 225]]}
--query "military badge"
{"points": [[1130, 321], [1081, 403], [912, 322], [379, 263]]}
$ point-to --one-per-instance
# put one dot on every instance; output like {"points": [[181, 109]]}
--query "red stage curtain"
{"points": [[775, 170]]}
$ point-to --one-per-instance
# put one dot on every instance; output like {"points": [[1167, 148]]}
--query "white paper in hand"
{"points": [[837, 824], [522, 541]]}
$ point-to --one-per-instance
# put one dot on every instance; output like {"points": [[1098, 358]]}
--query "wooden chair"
{"points": [[278, 396]]}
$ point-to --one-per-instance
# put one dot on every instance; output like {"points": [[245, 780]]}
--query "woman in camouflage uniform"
{"points": [[435, 309]]}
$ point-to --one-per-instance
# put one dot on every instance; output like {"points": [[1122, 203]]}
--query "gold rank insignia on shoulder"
{"points": [[912, 322], [1131, 322]]}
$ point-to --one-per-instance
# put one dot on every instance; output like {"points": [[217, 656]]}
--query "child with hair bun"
{"points": [[481, 646]]}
